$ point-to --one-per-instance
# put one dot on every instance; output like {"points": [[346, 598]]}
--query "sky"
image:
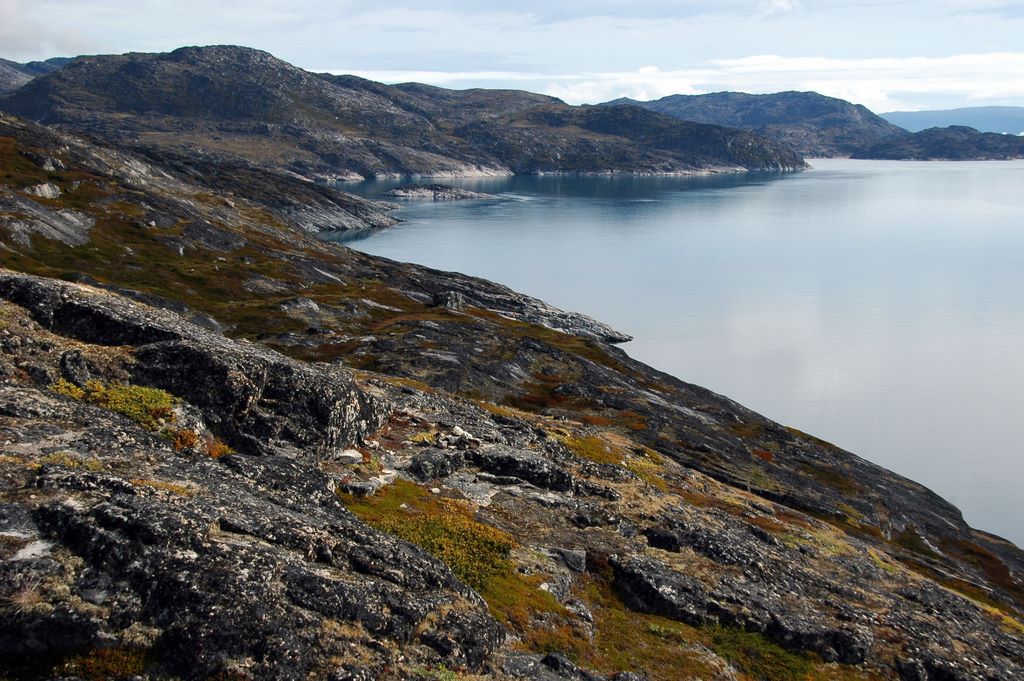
{"points": [[886, 54]]}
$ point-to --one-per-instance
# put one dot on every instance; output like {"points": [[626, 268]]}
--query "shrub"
{"points": [[184, 439]]}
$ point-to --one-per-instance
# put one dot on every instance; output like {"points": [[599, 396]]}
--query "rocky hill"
{"points": [[812, 124], [1002, 119], [13, 75], [231, 450], [237, 104], [955, 143]]}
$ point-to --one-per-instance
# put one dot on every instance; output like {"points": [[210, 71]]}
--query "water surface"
{"points": [[879, 305]]}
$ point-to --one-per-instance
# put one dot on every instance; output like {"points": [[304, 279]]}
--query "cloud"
{"points": [[772, 8], [882, 84], [24, 38]]}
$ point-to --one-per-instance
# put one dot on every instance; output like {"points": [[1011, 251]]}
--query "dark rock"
{"points": [[574, 559], [433, 464], [74, 368], [525, 465]]}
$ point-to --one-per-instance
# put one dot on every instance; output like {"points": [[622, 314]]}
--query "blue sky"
{"points": [[886, 54]]}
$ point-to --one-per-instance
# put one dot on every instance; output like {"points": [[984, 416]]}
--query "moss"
{"points": [[445, 528], [832, 478], [477, 553], [106, 664], [649, 471], [757, 657], [594, 449], [72, 460], [65, 387], [912, 541], [151, 408], [625, 640], [174, 488]]}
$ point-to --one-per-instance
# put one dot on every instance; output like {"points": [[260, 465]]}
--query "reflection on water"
{"points": [[879, 305]]}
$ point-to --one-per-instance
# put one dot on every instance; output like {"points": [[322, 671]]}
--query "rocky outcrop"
{"points": [[254, 398], [435, 192]]}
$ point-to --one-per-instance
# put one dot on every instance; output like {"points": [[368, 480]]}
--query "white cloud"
{"points": [[776, 7], [882, 84]]}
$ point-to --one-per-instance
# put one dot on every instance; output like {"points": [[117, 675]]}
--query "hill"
{"points": [[955, 143], [233, 450], [233, 103], [13, 75], [1002, 119], [812, 124]]}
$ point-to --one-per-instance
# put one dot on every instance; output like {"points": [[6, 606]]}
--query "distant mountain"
{"points": [[812, 124], [955, 143], [13, 75], [1005, 119], [238, 104]]}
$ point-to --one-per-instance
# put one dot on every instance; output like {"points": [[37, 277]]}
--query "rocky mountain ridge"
{"points": [[955, 143], [237, 104], [13, 75], [232, 450], [814, 125]]}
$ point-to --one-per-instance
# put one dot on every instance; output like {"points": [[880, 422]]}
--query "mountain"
{"points": [[239, 104], [234, 450], [955, 143], [812, 124], [13, 75], [1003, 119]]}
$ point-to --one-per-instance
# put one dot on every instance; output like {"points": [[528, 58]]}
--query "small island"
{"points": [[435, 192]]}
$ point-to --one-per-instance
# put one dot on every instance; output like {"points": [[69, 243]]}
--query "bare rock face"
{"points": [[256, 398], [61, 224]]}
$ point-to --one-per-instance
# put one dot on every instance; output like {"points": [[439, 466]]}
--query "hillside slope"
{"points": [[812, 124], [231, 450], [232, 103]]}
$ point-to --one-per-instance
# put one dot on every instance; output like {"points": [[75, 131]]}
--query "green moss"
{"points": [[445, 528], [151, 408], [72, 460], [625, 640], [594, 449], [758, 657], [477, 553]]}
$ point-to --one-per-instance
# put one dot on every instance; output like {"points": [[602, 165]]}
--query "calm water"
{"points": [[879, 305]]}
